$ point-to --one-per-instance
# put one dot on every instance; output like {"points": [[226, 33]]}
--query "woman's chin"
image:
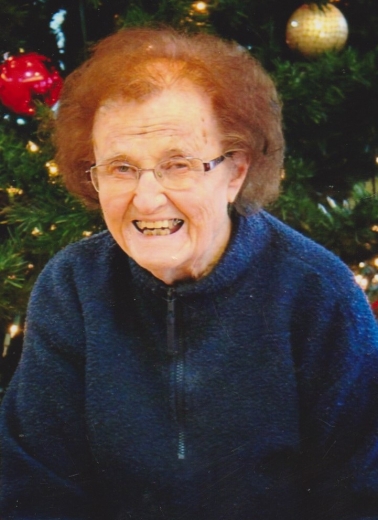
{"points": [[165, 263], [158, 253]]}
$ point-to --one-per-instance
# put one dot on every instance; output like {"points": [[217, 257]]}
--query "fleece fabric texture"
{"points": [[250, 394]]}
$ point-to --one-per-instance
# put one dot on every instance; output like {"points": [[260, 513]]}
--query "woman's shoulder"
{"points": [[301, 255], [80, 262], [99, 242], [87, 250]]}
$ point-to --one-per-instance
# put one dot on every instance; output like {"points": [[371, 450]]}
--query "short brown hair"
{"points": [[243, 97]]}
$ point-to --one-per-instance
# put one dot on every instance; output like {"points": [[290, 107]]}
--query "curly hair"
{"points": [[127, 65]]}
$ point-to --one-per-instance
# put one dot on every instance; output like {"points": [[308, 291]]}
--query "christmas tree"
{"points": [[330, 117]]}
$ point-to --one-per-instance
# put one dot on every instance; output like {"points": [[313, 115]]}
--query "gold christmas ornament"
{"points": [[312, 30]]}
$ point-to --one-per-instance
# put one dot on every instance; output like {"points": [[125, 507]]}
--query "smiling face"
{"points": [[174, 234]]}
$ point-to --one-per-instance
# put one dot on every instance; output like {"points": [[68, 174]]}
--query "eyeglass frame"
{"points": [[207, 166]]}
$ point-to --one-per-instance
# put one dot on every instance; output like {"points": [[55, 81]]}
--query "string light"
{"points": [[87, 233], [32, 147], [13, 330], [52, 168], [36, 232], [366, 276], [200, 6], [14, 191], [362, 281], [331, 202]]}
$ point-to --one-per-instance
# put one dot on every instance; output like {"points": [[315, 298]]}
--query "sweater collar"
{"points": [[245, 243]]}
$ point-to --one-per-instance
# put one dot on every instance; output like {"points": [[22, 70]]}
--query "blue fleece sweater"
{"points": [[250, 394]]}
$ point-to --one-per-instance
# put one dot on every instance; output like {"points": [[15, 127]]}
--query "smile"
{"points": [[158, 227]]}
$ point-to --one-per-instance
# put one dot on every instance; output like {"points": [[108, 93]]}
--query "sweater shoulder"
{"points": [[91, 247], [74, 277], [304, 255], [88, 253], [81, 268]]}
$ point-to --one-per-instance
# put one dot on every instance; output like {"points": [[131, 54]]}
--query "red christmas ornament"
{"points": [[374, 307], [26, 78]]}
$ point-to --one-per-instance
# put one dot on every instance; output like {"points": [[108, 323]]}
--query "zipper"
{"points": [[176, 350], [171, 325], [180, 406]]}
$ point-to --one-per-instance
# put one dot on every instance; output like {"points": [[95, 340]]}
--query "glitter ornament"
{"points": [[312, 30], [26, 78]]}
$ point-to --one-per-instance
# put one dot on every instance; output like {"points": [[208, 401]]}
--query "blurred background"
{"points": [[323, 57]]}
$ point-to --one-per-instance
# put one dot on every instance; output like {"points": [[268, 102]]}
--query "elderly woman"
{"points": [[198, 360]]}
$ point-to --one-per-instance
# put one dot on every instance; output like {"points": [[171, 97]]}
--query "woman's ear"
{"points": [[239, 172]]}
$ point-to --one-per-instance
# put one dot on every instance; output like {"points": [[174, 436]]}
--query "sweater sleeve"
{"points": [[46, 468], [338, 388]]}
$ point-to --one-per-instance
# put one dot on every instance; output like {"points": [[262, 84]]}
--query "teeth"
{"points": [[171, 223], [158, 227], [156, 232]]}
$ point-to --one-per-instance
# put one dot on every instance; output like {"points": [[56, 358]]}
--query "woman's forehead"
{"points": [[173, 112], [173, 118]]}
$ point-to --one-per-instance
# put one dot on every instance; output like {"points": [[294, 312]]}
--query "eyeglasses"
{"points": [[176, 173]]}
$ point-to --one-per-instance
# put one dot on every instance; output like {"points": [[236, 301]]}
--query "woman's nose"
{"points": [[149, 194]]}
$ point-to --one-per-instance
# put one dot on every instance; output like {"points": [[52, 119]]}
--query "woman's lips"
{"points": [[158, 227]]}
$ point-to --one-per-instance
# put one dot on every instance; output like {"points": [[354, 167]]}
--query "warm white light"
{"points": [[361, 264], [362, 281], [200, 6], [14, 191], [13, 329], [32, 147], [52, 167], [376, 261], [36, 232]]}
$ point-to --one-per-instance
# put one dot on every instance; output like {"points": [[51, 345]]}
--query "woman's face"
{"points": [[178, 122]]}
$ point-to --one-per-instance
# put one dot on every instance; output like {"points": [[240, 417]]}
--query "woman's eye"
{"points": [[182, 165], [176, 166], [121, 168]]}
